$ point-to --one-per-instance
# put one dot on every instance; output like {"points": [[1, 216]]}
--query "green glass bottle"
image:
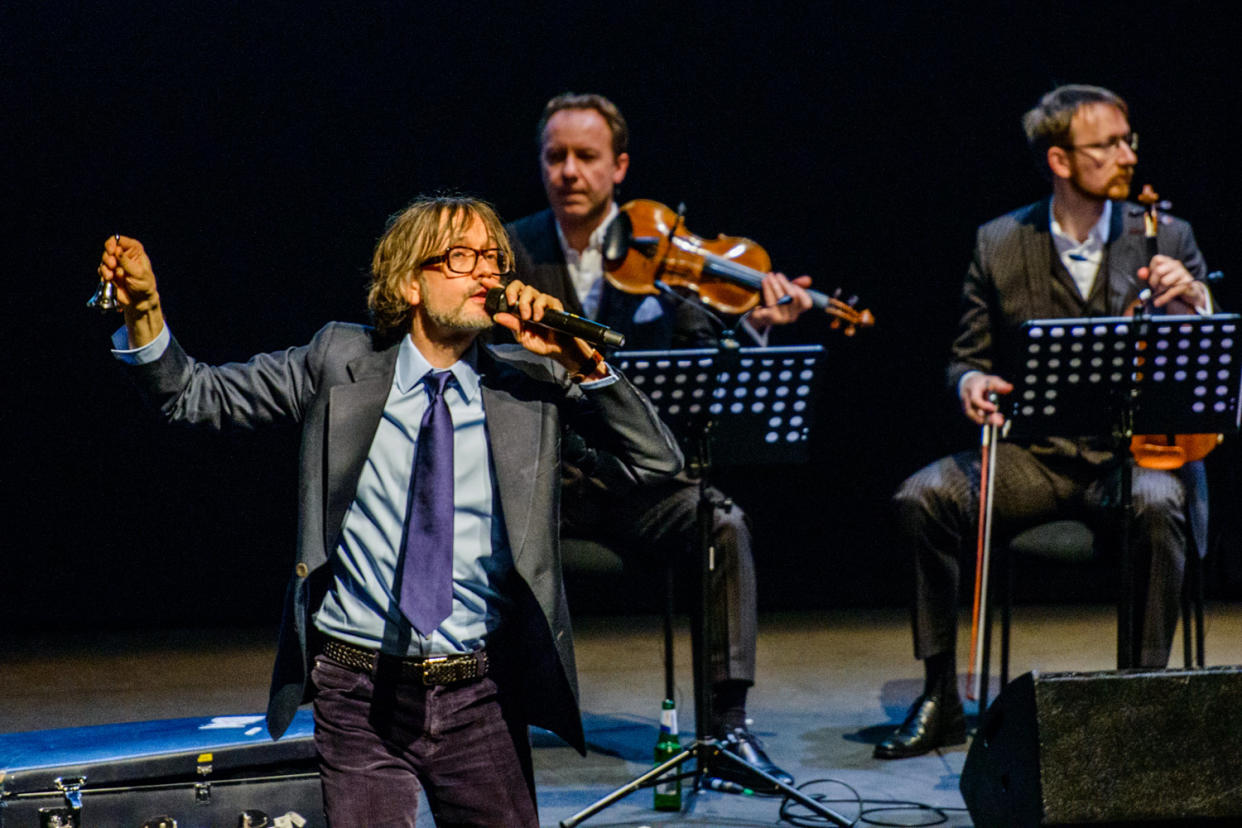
{"points": [[668, 793]]}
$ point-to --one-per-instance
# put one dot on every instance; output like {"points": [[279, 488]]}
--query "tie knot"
{"points": [[437, 381]]}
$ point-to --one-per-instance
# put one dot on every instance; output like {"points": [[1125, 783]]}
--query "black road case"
{"points": [[190, 773]]}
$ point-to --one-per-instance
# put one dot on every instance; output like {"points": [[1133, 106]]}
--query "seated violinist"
{"points": [[582, 153], [1080, 253]]}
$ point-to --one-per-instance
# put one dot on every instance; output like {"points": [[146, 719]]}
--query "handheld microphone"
{"points": [[567, 323]]}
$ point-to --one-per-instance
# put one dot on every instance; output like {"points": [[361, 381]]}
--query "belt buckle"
{"points": [[438, 670], [450, 669]]}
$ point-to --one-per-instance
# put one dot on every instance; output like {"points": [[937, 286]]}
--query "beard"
{"points": [[1119, 187], [457, 319], [464, 318], [1116, 188]]}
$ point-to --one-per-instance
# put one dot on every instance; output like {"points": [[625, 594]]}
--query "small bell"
{"points": [[104, 299]]}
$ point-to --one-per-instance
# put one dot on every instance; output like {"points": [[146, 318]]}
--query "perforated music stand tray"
{"points": [[760, 401], [1168, 374]]}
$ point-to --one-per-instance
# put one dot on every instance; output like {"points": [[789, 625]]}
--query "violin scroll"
{"points": [[845, 316]]}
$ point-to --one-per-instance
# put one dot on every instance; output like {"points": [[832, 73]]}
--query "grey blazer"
{"points": [[335, 387]]}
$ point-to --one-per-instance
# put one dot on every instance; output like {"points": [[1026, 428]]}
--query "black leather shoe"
{"points": [[932, 722], [746, 746]]}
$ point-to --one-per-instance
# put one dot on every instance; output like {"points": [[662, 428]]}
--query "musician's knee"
{"points": [[1157, 494]]}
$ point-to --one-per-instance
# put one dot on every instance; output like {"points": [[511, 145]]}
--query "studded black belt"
{"points": [[430, 670]]}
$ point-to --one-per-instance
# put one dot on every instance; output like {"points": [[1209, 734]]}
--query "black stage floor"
{"points": [[831, 685]]}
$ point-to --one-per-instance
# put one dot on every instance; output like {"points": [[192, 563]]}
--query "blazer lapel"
{"points": [[1126, 250], [515, 459], [547, 253], [1037, 254], [354, 411]]}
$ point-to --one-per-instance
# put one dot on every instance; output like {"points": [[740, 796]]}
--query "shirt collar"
{"points": [[1095, 239], [594, 242], [412, 366]]}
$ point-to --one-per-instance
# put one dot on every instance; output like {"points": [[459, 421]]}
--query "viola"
{"points": [[647, 244], [1163, 451]]}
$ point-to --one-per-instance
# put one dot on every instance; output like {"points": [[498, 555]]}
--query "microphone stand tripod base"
{"points": [[706, 753]]}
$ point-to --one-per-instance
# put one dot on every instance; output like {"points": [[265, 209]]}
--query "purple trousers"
{"points": [[382, 739]]}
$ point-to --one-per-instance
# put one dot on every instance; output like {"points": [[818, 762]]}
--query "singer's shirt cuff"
{"points": [[153, 350], [600, 383]]}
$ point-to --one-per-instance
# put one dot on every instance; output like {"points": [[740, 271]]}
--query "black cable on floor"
{"points": [[936, 814]]}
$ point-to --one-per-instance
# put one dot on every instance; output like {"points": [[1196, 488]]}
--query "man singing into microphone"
{"points": [[425, 615]]}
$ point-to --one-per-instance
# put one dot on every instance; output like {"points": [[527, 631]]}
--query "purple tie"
{"points": [[427, 549]]}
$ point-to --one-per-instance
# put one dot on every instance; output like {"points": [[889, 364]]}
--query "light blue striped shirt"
{"points": [[362, 607]]}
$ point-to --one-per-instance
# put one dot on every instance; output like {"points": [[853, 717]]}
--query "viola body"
{"points": [[1171, 451]]}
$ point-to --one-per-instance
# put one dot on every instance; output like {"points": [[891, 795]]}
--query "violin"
{"points": [[1163, 451], [647, 244]]}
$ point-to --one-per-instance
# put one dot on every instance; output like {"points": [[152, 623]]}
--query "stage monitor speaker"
{"points": [[1116, 747]]}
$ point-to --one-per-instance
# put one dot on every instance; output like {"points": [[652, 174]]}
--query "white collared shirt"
{"points": [[1082, 259], [586, 269]]}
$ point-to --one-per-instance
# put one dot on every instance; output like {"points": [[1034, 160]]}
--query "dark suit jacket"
{"points": [[1015, 276], [540, 262], [336, 388]]}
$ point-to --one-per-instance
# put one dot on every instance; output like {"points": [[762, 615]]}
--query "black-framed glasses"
{"points": [[462, 260], [1112, 146]]}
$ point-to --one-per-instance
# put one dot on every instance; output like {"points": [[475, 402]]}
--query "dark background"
{"points": [[256, 148]]}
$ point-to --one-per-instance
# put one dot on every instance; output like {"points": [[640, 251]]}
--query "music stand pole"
{"points": [[702, 626], [1128, 645], [705, 751]]}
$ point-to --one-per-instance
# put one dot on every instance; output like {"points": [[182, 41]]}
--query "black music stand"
{"points": [[747, 406], [1120, 376]]}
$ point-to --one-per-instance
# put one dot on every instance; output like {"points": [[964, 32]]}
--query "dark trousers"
{"points": [[382, 739], [937, 511], [654, 523]]}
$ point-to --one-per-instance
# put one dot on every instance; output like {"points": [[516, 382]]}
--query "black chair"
{"points": [[1074, 542], [585, 559]]}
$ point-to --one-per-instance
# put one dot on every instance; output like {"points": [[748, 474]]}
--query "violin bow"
{"points": [[983, 554]]}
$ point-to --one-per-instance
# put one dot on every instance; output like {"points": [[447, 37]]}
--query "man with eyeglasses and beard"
{"points": [[425, 615], [1079, 253]]}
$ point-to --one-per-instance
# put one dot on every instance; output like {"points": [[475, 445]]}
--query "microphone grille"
{"points": [[496, 302]]}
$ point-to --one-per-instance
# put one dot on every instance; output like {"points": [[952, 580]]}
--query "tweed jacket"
{"points": [[1015, 275]]}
